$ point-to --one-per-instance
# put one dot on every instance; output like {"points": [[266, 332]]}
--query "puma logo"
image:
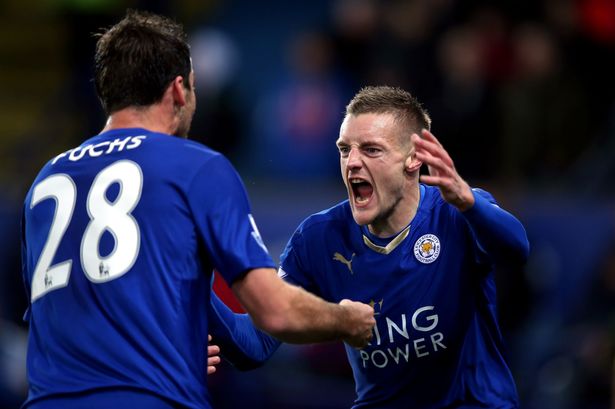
{"points": [[342, 259]]}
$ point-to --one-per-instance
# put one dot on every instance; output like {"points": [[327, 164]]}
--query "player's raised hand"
{"points": [[360, 322], [213, 358], [442, 172]]}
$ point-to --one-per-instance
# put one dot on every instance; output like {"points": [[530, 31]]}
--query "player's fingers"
{"points": [[213, 350], [433, 180], [433, 149], [370, 336], [428, 136], [212, 361], [447, 158], [425, 145], [430, 143], [435, 164]]}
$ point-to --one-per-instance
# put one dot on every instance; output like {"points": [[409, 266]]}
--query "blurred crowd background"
{"points": [[521, 93]]}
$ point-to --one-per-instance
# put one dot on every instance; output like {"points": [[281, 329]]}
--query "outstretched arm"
{"points": [[240, 342], [497, 232], [293, 315], [285, 311]]}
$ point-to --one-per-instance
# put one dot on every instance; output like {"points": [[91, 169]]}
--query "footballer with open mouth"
{"points": [[377, 167]]}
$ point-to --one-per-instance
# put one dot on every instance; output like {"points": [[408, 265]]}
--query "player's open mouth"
{"points": [[361, 190]]}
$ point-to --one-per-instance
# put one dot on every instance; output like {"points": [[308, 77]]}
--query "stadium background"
{"points": [[521, 94]]}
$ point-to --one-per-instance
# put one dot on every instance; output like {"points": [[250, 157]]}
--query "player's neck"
{"points": [[400, 217], [151, 118]]}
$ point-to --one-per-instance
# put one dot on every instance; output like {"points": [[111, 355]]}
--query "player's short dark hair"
{"points": [[384, 99], [138, 58]]}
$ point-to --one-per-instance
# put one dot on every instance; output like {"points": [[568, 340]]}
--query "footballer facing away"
{"points": [[120, 236]]}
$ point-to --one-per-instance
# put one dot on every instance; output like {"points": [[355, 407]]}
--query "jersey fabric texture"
{"points": [[436, 343], [139, 220], [104, 399]]}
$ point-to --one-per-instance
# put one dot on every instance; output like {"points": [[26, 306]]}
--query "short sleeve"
{"points": [[224, 222]]}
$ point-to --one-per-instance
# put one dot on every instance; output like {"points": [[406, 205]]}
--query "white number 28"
{"points": [[111, 216]]}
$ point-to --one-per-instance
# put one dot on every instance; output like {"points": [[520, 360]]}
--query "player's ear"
{"points": [[179, 91], [412, 163]]}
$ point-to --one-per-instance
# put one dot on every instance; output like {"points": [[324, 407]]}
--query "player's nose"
{"points": [[354, 158]]}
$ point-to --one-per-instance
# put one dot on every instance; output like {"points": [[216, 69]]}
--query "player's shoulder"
{"points": [[433, 199], [484, 194], [155, 153], [191, 156], [186, 160], [187, 147], [135, 142]]}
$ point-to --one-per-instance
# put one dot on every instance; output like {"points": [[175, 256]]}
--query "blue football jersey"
{"points": [[436, 342], [120, 236]]}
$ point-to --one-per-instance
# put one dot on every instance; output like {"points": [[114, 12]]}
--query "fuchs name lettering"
{"points": [[102, 148]]}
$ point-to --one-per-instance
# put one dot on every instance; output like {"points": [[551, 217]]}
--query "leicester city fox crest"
{"points": [[427, 248]]}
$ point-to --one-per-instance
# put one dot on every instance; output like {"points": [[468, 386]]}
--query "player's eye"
{"points": [[344, 150]]}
